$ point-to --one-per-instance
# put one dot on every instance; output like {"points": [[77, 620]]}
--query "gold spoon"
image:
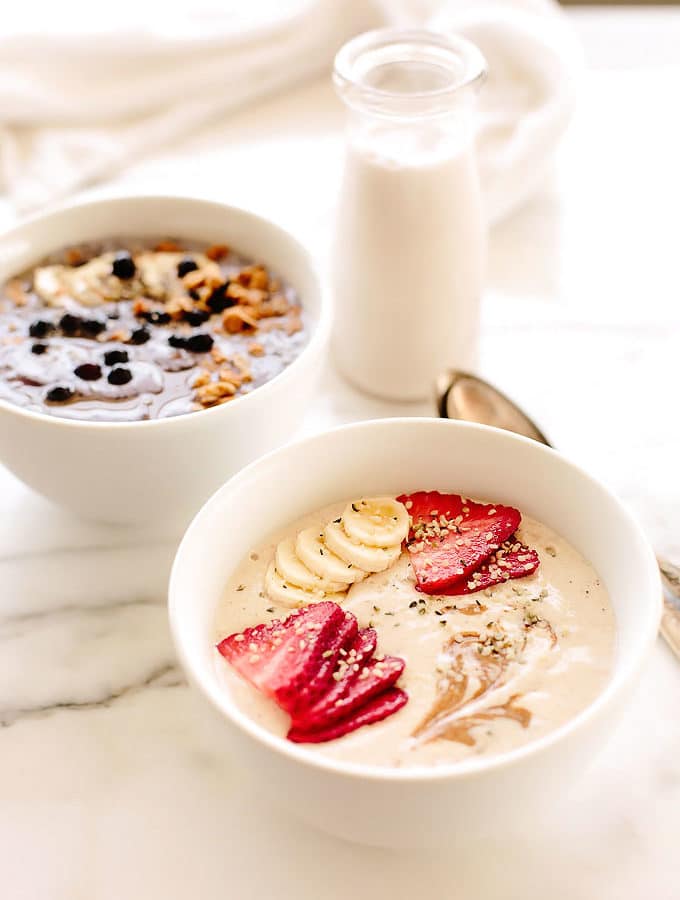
{"points": [[461, 395]]}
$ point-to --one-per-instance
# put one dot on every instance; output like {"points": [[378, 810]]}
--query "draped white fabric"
{"points": [[84, 92]]}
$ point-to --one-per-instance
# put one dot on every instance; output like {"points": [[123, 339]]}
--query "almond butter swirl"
{"points": [[471, 667]]}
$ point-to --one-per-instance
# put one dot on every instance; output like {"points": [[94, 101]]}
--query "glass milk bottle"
{"points": [[410, 237]]}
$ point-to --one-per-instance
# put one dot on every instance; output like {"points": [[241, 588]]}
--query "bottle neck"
{"points": [[404, 137], [408, 76], [410, 95]]}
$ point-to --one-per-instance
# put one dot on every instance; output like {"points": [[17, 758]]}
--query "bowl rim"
{"points": [[318, 337], [300, 754]]}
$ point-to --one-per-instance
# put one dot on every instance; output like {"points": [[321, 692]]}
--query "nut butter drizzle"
{"points": [[472, 667]]}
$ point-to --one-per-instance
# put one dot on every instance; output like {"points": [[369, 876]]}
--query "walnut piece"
{"points": [[214, 393], [217, 252], [238, 319]]}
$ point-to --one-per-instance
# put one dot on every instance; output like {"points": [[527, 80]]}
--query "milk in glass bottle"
{"points": [[410, 238]]}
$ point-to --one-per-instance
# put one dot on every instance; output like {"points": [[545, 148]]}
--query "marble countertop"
{"points": [[109, 786]]}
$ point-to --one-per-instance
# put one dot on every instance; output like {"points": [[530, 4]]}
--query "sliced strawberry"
{"points": [[356, 655], [451, 536], [357, 681], [339, 643], [292, 660], [318, 667], [380, 707], [512, 560]]}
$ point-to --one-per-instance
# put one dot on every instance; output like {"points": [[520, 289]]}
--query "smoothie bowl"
{"points": [[149, 348], [396, 661]]}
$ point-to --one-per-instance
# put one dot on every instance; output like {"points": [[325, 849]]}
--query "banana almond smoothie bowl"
{"points": [[130, 329], [416, 630]]}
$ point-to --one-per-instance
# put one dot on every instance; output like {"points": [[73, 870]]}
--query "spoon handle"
{"points": [[462, 395]]}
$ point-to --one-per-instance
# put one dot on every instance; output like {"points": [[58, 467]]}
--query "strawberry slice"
{"points": [[357, 682], [380, 707], [292, 660], [338, 645], [512, 560], [451, 536], [319, 668]]}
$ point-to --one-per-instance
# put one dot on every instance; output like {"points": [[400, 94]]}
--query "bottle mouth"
{"points": [[392, 71]]}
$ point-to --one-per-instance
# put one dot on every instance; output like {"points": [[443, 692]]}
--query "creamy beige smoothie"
{"points": [[485, 672]]}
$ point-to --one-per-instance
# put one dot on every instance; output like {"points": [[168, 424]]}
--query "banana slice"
{"points": [[312, 551], [371, 559], [293, 571], [376, 521], [282, 591]]}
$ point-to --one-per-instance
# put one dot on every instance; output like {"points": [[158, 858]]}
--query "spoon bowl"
{"points": [[461, 395]]}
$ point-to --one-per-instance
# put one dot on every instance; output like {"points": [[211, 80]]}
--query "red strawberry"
{"points": [[338, 644], [318, 667], [512, 560], [450, 536], [357, 682], [292, 661], [380, 707]]}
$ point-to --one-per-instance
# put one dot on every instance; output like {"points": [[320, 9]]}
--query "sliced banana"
{"points": [[313, 552], [376, 521], [282, 591], [370, 559], [292, 570]]}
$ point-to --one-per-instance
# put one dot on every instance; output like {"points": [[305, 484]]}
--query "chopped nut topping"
{"points": [[217, 252], [254, 277], [202, 378], [237, 319], [276, 306], [214, 393]]}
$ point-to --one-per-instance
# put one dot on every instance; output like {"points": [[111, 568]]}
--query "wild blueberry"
{"points": [[176, 341], [119, 376], [38, 349], [88, 371], [70, 324], [112, 357], [199, 343], [196, 317], [59, 395], [123, 266], [40, 328], [186, 265], [218, 300], [92, 327], [140, 336]]}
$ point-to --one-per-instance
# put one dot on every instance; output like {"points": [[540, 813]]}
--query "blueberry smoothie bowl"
{"points": [[130, 328], [149, 348]]}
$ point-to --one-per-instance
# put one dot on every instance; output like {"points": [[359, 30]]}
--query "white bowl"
{"points": [[415, 806], [160, 469]]}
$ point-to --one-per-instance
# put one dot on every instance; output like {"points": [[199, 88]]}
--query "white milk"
{"points": [[408, 260]]}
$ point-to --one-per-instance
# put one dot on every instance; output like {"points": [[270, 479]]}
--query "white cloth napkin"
{"points": [[83, 94]]}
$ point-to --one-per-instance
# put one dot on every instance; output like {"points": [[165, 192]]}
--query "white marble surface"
{"points": [[109, 786]]}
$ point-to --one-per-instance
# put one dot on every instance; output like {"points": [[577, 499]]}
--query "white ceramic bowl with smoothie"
{"points": [[600, 597], [158, 469]]}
